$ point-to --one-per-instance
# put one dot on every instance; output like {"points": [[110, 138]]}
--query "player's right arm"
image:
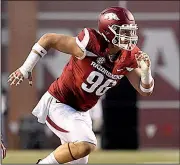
{"points": [[60, 42], [63, 43]]}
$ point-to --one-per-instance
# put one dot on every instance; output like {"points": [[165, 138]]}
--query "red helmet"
{"points": [[118, 27]]}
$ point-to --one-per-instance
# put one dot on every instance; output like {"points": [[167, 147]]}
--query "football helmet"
{"points": [[117, 25]]}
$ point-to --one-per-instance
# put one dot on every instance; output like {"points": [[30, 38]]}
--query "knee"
{"points": [[84, 148], [73, 151], [83, 160], [87, 147]]}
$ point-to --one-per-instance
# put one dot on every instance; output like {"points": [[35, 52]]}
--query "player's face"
{"points": [[128, 38], [125, 37]]}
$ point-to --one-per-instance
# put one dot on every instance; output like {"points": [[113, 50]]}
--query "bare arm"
{"points": [[63, 43], [134, 78], [141, 78]]}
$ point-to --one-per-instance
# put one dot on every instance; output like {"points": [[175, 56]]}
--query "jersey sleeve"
{"points": [[88, 42], [82, 40]]}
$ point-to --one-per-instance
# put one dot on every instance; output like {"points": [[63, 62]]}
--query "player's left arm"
{"points": [[141, 78]]}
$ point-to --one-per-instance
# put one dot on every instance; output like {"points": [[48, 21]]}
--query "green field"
{"points": [[143, 156]]}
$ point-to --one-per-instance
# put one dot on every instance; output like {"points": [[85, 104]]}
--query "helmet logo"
{"points": [[111, 16]]}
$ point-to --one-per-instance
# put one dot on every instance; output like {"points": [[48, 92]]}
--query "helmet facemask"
{"points": [[125, 36]]}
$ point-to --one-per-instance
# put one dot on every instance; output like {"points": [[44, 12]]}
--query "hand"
{"points": [[17, 78], [143, 60], [3, 150]]}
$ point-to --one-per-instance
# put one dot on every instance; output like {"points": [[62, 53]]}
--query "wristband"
{"points": [[39, 49], [147, 90]]}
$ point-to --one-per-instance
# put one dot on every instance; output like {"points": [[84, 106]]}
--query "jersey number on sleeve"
{"points": [[94, 81]]}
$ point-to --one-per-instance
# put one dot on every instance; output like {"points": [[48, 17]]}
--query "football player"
{"points": [[99, 60]]}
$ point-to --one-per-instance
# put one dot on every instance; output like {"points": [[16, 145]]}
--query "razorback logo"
{"points": [[111, 16]]}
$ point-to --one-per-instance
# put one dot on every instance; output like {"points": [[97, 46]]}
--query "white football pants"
{"points": [[67, 123]]}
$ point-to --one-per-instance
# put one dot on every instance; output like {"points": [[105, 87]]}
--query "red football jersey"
{"points": [[84, 81]]}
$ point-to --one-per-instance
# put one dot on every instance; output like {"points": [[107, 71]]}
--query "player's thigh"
{"points": [[81, 131], [69, 137], [69, 124]]}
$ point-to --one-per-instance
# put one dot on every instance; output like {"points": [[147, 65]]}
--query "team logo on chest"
{"points": [[100, 60]]}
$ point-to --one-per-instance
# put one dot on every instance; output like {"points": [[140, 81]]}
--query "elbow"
{"points": [[48, 40], [48, 36]]}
